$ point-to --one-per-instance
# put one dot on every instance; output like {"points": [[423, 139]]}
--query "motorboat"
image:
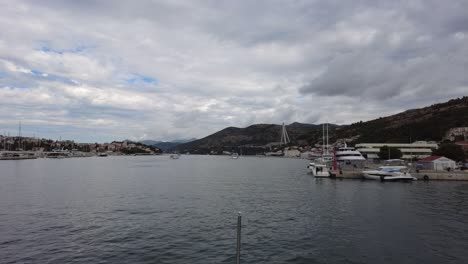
{"points": [[393, 170], [278, 153], [174, 156], [389, 174], [234, 156], [319, 170]]}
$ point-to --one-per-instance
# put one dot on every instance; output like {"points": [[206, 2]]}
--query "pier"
{"points": [[421, 175]]}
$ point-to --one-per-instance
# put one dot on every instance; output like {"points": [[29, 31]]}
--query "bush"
{"points": [[384, 152], [451, 151]]}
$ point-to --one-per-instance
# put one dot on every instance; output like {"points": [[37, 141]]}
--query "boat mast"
{"points": [[19, 137], [323, 139], [327, 139]]}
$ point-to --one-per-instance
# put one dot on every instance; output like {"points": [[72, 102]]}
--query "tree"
{"points": [[451, 151], [384, 152]]}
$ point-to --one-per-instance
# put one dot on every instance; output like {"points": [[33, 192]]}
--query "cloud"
{"points": [[97, 71]]}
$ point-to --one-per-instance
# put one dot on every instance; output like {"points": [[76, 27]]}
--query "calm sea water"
{"points": [[158, 210]]}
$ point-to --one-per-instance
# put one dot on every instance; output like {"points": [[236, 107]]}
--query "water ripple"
{"points": [[147, 210]]}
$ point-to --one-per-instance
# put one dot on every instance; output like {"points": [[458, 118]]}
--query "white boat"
{"points": [[349, 156], [174, 156], [393, 170], [319, 170], [278, 153], [102, 154], [234, 156]]}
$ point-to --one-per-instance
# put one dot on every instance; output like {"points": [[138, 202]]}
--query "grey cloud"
{"points": [[226, 63]]}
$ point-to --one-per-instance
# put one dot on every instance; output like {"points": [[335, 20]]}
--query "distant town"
{"points": [[16, 147]]}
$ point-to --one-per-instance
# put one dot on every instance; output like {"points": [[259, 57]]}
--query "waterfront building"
{"points": [[418, 149], [292, 153], [437, 163]]}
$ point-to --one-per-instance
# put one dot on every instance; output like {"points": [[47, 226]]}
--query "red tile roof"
{"points": [[431, 158]]}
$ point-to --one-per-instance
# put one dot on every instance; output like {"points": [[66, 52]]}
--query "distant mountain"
{"points": [[428, 123], [150, 142], [166, 145], [255, 136], [180, 141]]}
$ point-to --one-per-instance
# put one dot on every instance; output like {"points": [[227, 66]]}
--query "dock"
{"points": [[441, 175], [421, 175]]}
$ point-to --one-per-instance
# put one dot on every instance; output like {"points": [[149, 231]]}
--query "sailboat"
{"points": [[318, 168], [326, 155]]}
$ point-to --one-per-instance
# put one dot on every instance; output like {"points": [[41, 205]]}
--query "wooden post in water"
{"points": [[239, 225]]}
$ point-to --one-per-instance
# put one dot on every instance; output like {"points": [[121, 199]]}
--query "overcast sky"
{"points": [[104, 70]]}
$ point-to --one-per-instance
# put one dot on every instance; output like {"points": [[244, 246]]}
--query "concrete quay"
{"points": [[441, 175], [421, 175]]}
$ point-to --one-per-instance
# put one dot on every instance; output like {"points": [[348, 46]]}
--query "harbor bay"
{"points": [[154, 209]]}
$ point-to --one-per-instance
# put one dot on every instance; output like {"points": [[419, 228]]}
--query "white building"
{"points": [[292, 153], [418, 149], [437, 163]]}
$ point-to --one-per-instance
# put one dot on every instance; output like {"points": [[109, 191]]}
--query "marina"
{"points": [[318, 167]]}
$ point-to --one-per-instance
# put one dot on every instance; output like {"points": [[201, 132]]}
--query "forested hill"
{"points": [[428, 123], [256, 135]]}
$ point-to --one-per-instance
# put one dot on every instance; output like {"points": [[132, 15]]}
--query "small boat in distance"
{"points": [[174, 156], [278, 153], [102, 154], [234, 156]]}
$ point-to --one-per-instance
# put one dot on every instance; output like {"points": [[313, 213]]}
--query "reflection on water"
{"points": [[158, 210]]}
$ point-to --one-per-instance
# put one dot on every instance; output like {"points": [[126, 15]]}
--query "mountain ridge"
{"points": [[166, 145], [427, 123]]}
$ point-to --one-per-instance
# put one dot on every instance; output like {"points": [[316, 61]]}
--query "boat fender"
{"points": [[382, 178], [425, 177]]}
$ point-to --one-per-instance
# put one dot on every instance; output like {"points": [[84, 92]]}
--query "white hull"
{"points": [[318, 170], [322, 176], [376, 175], [348, 154]]}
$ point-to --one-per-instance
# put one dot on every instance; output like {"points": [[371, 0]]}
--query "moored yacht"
{"points": [[393, 170], [349, 156], [319, 170]]}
